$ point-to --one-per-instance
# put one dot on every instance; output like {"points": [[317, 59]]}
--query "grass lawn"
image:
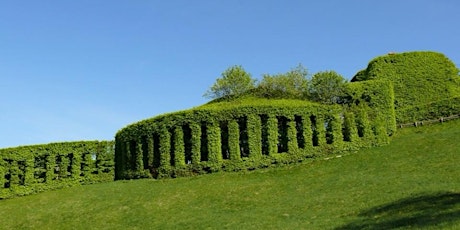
{"points": [[412, 183]]}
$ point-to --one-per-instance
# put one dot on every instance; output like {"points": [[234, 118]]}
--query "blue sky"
{"points": [[82, 70]]}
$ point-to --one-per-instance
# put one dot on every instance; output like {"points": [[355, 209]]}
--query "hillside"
{"points": [[411, 183]]}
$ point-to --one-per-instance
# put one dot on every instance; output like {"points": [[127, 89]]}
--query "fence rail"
{"points": [[426, 122]]}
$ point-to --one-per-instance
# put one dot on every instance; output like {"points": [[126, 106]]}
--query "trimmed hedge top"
{"points": [[418, 77]]}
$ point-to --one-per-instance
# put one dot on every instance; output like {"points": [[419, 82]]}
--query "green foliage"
{"points": [[292, 84], [327, 87], [429, 111], [243, 134], [30, 169], [376, 97], [418, 78], [234, 81]]}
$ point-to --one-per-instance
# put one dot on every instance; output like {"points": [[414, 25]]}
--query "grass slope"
{"points": [[412, 183]]}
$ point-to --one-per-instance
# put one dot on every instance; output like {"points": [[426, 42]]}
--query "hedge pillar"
{"points": [[292, 135], [50, 165], [350, 132], [321, 130], [272, 134], [234, 140], [165, 150], [214, 143], [254, 126], [196, 142], [179, 147], [139, 155], [150, 152], [307, 132], [337, 136], [29, 174]]}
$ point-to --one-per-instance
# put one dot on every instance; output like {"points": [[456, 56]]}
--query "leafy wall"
{"points": [[419, 78], [30, 169], [240, 135], [377, 98]]}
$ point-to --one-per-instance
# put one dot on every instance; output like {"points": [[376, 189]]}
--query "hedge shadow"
{"points": [[421, 211]]}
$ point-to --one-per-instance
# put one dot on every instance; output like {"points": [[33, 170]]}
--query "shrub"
{"points": [[30, 169], [418, 78], [244, 134]]}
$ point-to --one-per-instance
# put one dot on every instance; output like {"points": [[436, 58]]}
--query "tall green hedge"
{"points": [[418, 78], [30, 169], [375, 96], [246, 134]]}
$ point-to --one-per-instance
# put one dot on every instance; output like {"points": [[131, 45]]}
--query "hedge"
{"points": [[377, 97], [418, 78], [30, 169], [248, 134], [429, 111]]}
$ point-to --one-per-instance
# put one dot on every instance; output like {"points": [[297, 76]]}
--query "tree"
{"points": [[292, 84], [234, 81], [327, 87]]}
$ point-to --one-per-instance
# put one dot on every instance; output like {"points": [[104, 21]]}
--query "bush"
{"points": [[418, 78], [243, 134], [30, 169]]}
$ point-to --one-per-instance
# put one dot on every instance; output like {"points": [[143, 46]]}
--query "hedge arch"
{"points": [[30, 169], [241, 135]]}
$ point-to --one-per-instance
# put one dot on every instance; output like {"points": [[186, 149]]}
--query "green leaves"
{"points": [[419, 78], [29, 169], [327, 87], [253, 133], [234, 81], [292, 84]]}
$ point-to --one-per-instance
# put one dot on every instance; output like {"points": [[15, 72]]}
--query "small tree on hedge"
{"points": [[234, 81], [292, 84], [327, 87]]}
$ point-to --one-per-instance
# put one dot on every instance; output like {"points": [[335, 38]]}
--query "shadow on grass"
{"points": [[420, 211]]}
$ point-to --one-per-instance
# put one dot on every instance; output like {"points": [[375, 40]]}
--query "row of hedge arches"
{"points": [[30, 169], [186, 143]]}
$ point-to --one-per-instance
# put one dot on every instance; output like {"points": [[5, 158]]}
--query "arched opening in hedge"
{"points": [[244, 141], [265, 131], [283, 138], [145, 151], [315, 136], [187, 143], [172, 147], [204, 143], [299, 126], [156, 151], [224, 140]]}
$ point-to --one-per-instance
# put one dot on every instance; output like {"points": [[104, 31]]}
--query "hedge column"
{"points": [[254, 127], [179, 147], [292, 135], [50, 165], [307, 131], [320, 130], [234, 140], [272, 134], [214, 143], [196, 142], [165, 150], [337, 136]]}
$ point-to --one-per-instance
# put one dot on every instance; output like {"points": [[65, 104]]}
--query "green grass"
{"points": [[412, 183]]}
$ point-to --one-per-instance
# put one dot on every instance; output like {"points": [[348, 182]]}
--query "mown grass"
{"points": [[412, 183]]}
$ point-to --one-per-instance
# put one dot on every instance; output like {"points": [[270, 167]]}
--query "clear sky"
{"points": [[82, 70]]}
